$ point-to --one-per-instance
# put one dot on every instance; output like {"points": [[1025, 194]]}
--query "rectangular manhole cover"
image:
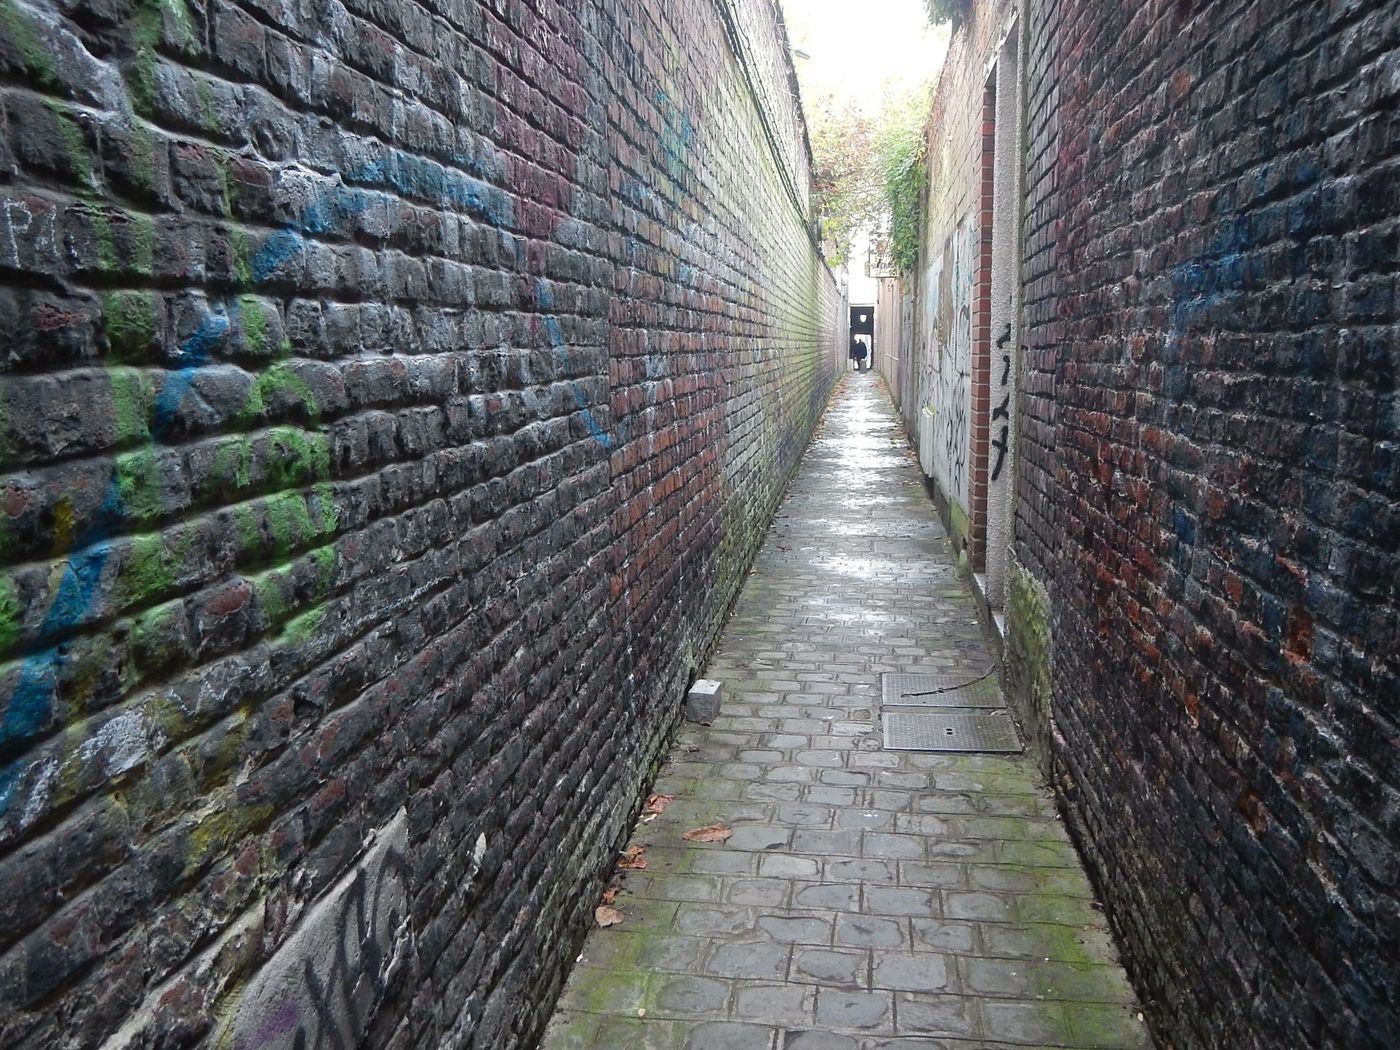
{"points": [[950, 731], [959, 689]]}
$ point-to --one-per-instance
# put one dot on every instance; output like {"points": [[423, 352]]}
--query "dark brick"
{"points": [[1202, 620], [344, 477]]}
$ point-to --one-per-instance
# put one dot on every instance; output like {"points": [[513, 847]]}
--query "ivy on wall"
{"points": [[901, 154], [870, 173], [846, 184]]}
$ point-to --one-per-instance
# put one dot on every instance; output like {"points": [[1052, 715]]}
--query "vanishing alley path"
{"points": [[867, 898]]}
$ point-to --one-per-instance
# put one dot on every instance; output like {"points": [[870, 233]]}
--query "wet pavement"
{"points": [[867, 899]]}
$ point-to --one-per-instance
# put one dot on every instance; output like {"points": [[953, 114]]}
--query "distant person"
{"points": [[859, 352], [856, 350]]}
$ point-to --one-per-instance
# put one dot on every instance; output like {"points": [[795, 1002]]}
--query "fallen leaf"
{"points": [[658, 803], [605, 916], [633, 860], [610, 894], [709, 833]]}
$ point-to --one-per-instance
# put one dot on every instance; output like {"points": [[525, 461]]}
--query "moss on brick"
{"points": [[1028, 641]]}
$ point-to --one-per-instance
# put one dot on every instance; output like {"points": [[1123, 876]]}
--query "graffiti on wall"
{"points": [[934, 336], [677, 135], [554, 333], [1001, 414], [83, 579], [951, 394], [322, 986], [273, 528]]}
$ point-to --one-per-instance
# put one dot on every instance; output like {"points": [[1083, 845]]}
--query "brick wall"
{"points": [[889, 333], [394, 395], [1029, 624], [948, 367], [1040, 275], [1209, 489]]}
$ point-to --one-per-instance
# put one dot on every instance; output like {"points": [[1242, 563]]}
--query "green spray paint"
{"points": [[154, 624], [253, 321], [325, 499], [249, 529], [242, 249], [232, 469], [288, 520], [20, 33], [279, 379], [101, 234], [143, 244], [142, 156], [132, 398], [140, 241], [141, 483], [153, 568], [271, 589], [145, 573], [289, 516], [130, 320], [276, 591], [75, 150], [208, 107], [309, 457], [11, 613], [149, 28], [221, 170]]}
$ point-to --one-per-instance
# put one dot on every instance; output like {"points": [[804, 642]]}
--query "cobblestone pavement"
{"points": [[867, 899]]}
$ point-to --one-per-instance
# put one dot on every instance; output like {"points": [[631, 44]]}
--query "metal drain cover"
{"points": [[940, 690], [950, 731]]}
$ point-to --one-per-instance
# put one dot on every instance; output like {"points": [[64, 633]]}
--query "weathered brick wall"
{"points": [[1226, 503], [890, 339], [975, 389], [939, 371], [1040, 274], [1029, 623], [394, 395]]}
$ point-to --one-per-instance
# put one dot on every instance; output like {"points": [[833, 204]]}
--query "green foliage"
{"points": [[941, 11], [847, 190], [870, 172], [901, 154]]}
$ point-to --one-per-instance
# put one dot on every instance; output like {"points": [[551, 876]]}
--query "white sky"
{"points": [[859, 45]]}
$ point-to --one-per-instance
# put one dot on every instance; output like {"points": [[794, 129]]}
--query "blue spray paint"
{"points": [[555, 333], [1216, 277], [677, 134], [31, 701], [32, 698]]}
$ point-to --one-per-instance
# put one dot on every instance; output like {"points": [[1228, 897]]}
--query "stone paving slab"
{"points": [[867, 900]]}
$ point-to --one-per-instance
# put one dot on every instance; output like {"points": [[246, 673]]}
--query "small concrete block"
{"points": [[702, 702]]}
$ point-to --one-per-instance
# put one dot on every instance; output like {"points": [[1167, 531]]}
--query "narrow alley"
{"points": [[408, 409], [866, 898]]}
